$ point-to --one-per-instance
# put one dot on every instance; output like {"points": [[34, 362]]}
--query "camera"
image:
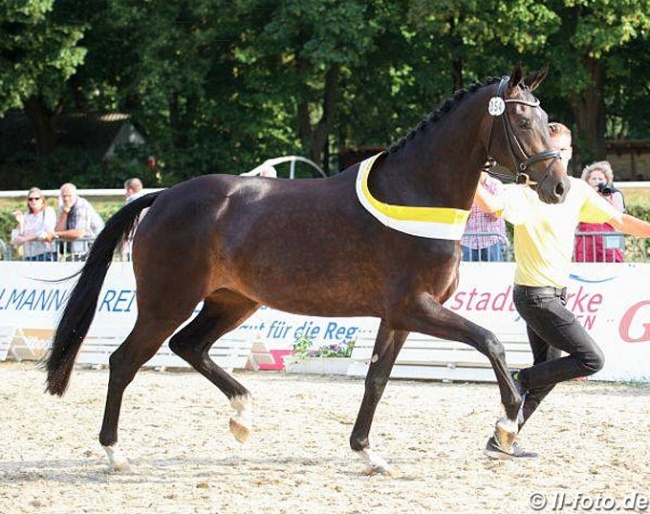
{"points": [[604, 190]]}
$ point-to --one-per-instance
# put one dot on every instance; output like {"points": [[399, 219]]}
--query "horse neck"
{"points": [[441, 165]]}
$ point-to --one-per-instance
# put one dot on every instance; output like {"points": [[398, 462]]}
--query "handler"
{"points": [[543, 243]]}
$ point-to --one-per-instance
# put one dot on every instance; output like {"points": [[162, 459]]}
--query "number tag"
{"points": [[497, 106]]}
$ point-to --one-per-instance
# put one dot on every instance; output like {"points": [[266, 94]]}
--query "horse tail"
{"points": [[80, 308]]}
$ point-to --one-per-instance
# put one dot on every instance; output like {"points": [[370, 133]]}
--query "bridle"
{"points": [[497, 108]]}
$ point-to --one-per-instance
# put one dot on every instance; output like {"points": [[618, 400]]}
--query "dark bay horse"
{"points": [[379, 240]]}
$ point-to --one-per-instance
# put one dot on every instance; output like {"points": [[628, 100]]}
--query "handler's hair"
{"points": [[558, 129]]}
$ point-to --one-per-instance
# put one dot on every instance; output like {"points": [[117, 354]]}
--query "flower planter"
{"points": [[317, 365]]}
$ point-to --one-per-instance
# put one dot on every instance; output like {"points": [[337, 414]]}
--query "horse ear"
{"points": [[515, 76], [535, 79]]}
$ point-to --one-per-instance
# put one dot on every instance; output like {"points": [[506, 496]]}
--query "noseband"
{"points": [[497, 108]]}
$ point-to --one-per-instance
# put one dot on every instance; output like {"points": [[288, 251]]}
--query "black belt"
{"points": [[545, 290]]}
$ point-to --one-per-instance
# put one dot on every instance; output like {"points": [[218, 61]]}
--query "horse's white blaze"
{"points": [[117, 461], [374, 463]]}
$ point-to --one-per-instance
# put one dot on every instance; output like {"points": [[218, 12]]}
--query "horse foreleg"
{"points": [[387, 345], [431, 318]]}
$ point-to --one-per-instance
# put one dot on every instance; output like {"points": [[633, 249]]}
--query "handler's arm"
{"points": [[631, 225], [486, 201]]}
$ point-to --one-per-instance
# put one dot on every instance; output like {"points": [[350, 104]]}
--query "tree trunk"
{"points": [[589, 110], [315, 138], [42, 120]]}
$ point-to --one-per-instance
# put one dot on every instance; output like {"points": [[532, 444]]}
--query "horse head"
{"points": [[523, 145]]}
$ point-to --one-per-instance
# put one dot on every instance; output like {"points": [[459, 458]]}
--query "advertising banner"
{"points": [[612, 301]]}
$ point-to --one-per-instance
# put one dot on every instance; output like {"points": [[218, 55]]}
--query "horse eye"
{"points": [[523, 123]]}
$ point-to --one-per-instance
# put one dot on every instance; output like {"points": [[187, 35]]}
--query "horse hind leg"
{"points": [[388, 344], [141, 344], [221, 313]]}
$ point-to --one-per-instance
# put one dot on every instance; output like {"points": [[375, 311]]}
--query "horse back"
{"points": [[304, 246]]}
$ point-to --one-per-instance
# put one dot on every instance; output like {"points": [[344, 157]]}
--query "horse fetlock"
{"points": [[117, 461], [375, 465], [242, 422]]}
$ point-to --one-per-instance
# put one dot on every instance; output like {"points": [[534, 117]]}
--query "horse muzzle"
{"points": [[554, 185]]}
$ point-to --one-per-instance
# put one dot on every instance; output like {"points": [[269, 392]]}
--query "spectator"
{"points": [[34, 228], [132, 189], [600, 247], [490, 246], [77, 219]]}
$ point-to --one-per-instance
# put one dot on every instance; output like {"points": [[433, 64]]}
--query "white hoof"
{"points": [[505, 432], [375, 465], [117, 461], [242, 422], [239, 430]]}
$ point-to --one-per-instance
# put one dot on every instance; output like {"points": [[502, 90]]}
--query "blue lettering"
{"points": [[29, 301], [57, 298], [339, 333], [108, 298], [133, 297], [15, 298], [117, 301], [121, 298]]}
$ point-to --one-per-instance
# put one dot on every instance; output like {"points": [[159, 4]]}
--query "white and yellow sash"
{"points": [[431, 222]]}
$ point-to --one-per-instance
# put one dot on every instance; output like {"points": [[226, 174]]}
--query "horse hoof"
{"points": [[240, 431], [386, 471], [375, 465], [505, 433], [117, 461], [122, 468]]}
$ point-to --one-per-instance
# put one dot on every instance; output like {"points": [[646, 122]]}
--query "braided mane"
{"points": [[439, 113]]}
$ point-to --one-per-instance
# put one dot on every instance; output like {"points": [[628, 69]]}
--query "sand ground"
{"points": [[593, 438]]}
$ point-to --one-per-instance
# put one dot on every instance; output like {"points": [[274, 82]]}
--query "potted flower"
{"points": [[332, 359]]}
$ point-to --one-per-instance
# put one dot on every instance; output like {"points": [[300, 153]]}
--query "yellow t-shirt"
{"points": [[544, 233]]}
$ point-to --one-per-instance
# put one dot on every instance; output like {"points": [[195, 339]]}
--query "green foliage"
{"points": [[303, 349], [218, 86], [39, 52]]}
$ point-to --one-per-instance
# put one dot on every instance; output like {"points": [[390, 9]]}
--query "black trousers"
{"points": [[552, 329]]}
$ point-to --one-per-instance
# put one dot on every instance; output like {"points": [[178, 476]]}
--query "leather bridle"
{"points": [[520, 165]]}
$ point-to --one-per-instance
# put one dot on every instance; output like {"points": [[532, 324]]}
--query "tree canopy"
{"points": [[218, 86]]}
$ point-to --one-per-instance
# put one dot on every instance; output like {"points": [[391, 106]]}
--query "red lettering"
{"points": [[472, 295], [626, 323], [577, 300], [595, 302], [457, 302], [484, 302]]}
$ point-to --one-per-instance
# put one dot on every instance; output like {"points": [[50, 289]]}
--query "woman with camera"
{"points": [[600, 246]]}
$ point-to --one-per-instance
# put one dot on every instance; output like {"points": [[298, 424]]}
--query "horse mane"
{"points": [[436, 115]]}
